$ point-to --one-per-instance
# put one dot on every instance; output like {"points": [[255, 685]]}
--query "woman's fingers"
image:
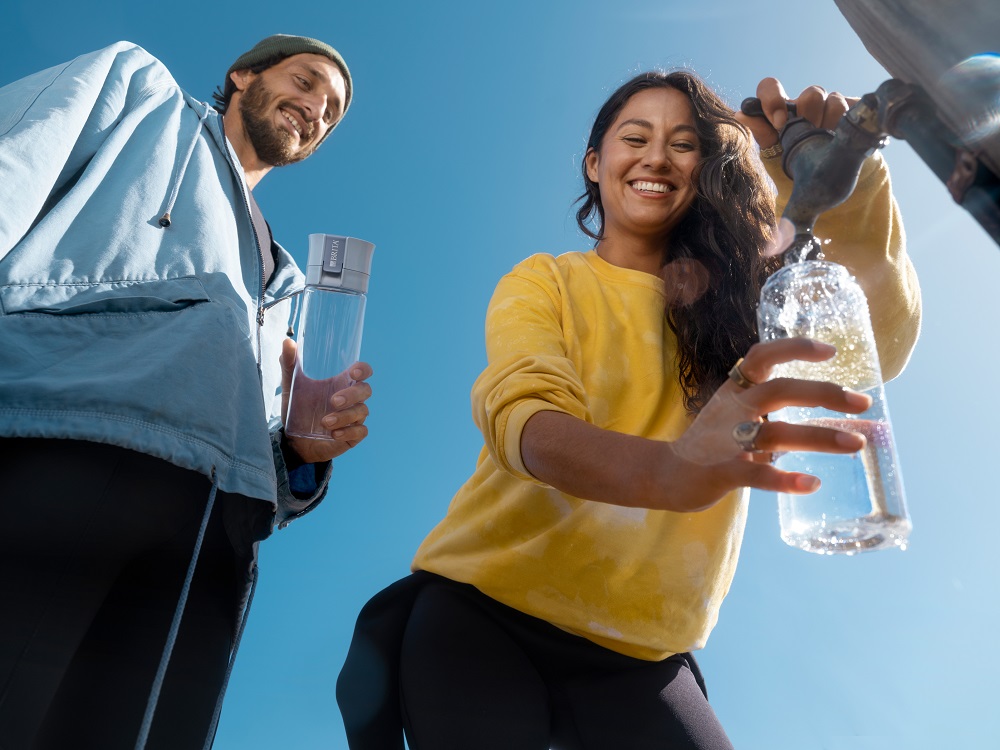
{"points": [[774, 437], [836, 107], [774, 102], [822, 109], [762, 358], [811, 104], [764, 476], [768, 397]]}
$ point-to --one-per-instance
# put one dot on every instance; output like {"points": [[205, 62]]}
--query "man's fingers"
{"points": [[351, 435], [361, 371], [356, 414], [354, 394]]}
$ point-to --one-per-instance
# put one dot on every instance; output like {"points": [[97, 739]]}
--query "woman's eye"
{"points": [[634, 140], [684, 146]]}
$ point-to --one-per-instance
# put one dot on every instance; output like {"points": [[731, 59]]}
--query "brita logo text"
{"points": [[333, 257]]}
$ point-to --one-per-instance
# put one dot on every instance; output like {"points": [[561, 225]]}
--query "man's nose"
{"points": [[315, 107]]}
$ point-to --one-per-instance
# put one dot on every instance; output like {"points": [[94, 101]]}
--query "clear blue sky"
{"points": [[460, 157]]}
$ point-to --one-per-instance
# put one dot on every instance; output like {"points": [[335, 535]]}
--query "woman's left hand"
{"points": [[822, 109], [710, 447]]}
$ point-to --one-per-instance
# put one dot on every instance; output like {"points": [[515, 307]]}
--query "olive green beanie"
{"points": [[288, 45]]}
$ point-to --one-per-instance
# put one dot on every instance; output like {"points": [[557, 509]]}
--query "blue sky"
{"points": [[459, 157]]}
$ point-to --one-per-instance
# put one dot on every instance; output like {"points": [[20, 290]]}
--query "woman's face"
{"points": [[646, 166]]}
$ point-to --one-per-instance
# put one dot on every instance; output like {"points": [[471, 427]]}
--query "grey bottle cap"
{"points": [[337, 262]]}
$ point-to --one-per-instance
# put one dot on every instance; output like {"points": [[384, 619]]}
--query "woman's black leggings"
{"points": [[477, 674]]}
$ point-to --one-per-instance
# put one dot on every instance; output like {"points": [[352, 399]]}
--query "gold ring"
{"points": [[745, 435], [737, 376], [772, 151]]}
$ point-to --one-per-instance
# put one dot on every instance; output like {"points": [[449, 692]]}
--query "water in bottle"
{"points": [[860, 505], [329, 330]]}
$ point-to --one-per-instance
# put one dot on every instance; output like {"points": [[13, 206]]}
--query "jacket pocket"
{"points": [[104, 297]]}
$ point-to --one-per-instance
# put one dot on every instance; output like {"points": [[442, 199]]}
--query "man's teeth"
{"points": [[292, 121], [652, 187]]}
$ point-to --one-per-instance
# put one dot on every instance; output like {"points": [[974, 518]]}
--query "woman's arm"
{"points": [[865, 233], [706, 463]]}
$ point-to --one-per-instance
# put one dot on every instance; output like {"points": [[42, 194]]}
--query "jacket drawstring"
{"points": [[154, 693], [294, 318], [213, 727], [175, 187]]}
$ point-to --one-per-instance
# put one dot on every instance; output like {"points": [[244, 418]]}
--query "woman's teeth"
{"points": [[651, 187]]}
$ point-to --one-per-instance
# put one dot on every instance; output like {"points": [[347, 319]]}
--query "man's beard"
{"points": [[273, 145]]}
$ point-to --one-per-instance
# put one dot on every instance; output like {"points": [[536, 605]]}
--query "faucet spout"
{"points": [[824, 164]]}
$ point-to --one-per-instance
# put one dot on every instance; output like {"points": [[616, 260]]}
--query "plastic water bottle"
{"points": [[860, 504], [329, 331]]}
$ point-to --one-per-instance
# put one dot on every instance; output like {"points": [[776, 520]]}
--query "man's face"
{"points": [[288, 108]]}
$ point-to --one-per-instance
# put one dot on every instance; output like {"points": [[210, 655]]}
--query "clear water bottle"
{"points": [[860, 504], [329, 330]]}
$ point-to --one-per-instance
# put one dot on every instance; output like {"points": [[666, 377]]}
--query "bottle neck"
{"points": [[804, 247]]}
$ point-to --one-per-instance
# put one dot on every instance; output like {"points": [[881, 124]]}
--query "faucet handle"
{"points": [[752, 107]]}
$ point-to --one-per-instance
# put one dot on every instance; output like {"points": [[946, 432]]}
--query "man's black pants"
{"points": [[94, 548]]}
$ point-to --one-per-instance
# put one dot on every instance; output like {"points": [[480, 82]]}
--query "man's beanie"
{"points": [[287, 45]]}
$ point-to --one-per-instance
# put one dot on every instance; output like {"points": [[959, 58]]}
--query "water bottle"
{"points": [[860, 504], [329, 331]]}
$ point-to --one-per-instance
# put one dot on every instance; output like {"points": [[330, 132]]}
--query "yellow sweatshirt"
{"points": [[576, 334]]}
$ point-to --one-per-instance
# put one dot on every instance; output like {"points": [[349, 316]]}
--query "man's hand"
{"points": [[345, 416]]}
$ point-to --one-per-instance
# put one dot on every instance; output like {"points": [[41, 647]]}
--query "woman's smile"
{"points": [[646, 172]]}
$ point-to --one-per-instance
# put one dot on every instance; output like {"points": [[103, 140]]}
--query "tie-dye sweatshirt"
{"points": [[576, 334]]}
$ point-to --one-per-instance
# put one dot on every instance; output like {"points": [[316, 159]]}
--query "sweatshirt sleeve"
{"points": [[53, 122], [865, 234], [528, 368]]}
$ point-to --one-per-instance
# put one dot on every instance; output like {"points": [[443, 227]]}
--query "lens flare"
{"points": [[974, 87], [685, 281]]}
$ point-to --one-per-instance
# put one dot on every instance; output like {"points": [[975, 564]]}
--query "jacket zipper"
{"points": [[261, 307]]}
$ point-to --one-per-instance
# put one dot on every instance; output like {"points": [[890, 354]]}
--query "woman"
{"points": [[557, 603]]}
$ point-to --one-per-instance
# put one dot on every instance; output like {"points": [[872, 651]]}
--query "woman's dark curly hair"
{"points": [[724, 232]]}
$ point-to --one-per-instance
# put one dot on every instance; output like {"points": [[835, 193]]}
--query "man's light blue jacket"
{"points": [[113, 327]]}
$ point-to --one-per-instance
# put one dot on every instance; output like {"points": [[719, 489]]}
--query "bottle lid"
{"points": [[337, 262]]}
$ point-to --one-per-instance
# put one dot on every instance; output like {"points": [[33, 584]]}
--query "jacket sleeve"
{"points": [[301, 487], [53, 122], [865, 234]]}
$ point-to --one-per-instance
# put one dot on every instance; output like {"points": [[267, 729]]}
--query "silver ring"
{"points": [[745, 435], [737, 376]]}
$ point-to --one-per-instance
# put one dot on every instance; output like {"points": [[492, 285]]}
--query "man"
{"points": [[143, 312]]}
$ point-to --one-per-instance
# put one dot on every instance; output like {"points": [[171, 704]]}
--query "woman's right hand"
{"points": [[822, 109], [711, 461]]}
